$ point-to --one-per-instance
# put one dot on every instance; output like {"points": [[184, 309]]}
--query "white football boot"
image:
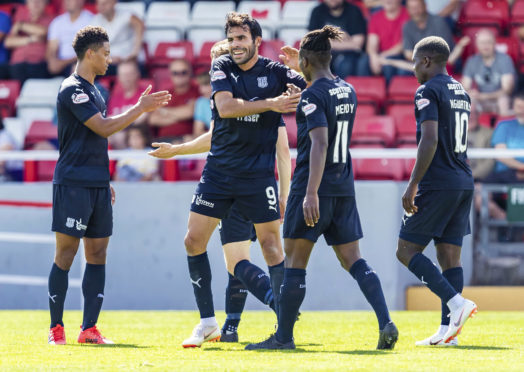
{"points": [[458, 317], [437, 340], [202, 334]]}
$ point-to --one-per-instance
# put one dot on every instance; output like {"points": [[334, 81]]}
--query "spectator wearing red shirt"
{"points": [[385, 38], [27, 41], [175, 121], [125, 94]]}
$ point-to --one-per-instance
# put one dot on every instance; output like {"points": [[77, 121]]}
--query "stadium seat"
{"points": [[510, 46], [485, 13], [405, 123], [153, 37], [296, 13], [200, 35], [37, 99], [167, 52], [267, 13], [374, 129], [380, 169], [161, 78], [9, 8], [365, 110], [168, 15], [9, 92], [190, 170], [138, 8], [291, 129], [290, 36], [402, 89], [271, 49], [517, 12], [17, 128], [210, 14], [409, 164], [41, 170], [370, 89], [40, 131]]}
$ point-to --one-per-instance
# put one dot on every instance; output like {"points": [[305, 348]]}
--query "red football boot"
{"points": [[56, 336], [92, 336]]}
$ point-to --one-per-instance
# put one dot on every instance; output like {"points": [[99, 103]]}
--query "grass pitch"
{"points": [[492, 341]]}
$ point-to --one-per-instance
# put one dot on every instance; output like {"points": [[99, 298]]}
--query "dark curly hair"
{"points": [[316, 44], [89, 37], [234, 19]]}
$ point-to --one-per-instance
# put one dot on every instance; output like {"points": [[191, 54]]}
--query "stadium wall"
{"points": [[147, 267]]}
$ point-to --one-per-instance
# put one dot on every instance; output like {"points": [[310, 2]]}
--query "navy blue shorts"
{"points": [[339, 221], [236, 228], [82, 211], [443, 215], [257, 198]]}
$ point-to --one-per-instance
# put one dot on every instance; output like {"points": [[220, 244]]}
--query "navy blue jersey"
{"points": [[332, 104], [83, 159], [444, 100], [245, 146]]}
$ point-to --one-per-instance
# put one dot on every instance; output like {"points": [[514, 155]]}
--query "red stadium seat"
{"points": [[204, 56], [167, 52], [291, 129], [365, 110], [408, 163], [517, 12], [380, 169], [161, 78], [370, 89], [9, 92], [510, 46], [9, 9], [271, 49], [402, 89], [40, 131], [375, 129], [485, 13], [404, 115], [39, 170], [190, 170]]}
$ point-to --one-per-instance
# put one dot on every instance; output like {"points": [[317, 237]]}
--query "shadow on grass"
{"points": [[301, 350], [244, 343], [113, 346], [476, 347]]}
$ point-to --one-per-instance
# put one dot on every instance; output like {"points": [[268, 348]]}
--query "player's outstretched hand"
{"points": [[285, 102], [164, 150], [150, 102], [408, 199], [311, 209], [292, 89], [289, 57]]}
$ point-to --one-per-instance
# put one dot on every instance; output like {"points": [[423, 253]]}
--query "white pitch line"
{"points": [[27, 238], [34, 280]]}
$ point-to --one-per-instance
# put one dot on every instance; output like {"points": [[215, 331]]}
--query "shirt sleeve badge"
{"points": [[79, 98]]}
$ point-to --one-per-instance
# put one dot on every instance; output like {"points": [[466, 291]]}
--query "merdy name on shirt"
{"points": [[250, 118], [460, 104], [457, 88], [340, 92], [345, 108]]}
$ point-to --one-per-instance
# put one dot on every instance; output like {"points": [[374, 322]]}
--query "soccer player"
{"points": [[437, 200], [82, 197], [322, 197], [249, 95], [236, 232]]}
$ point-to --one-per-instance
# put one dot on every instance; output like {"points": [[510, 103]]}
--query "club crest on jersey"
{"points": [[218, 75], [262, 81], [421, 103], [308, 109], [79, 98], [291, 74]]}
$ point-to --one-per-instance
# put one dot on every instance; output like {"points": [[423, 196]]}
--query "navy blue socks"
{"points": [[236, 294], [200, 275], [256, 281], [292, 294], [276, 276], [93, 290], [369, 284], [57, 289], [430, 275], [455, 277]]}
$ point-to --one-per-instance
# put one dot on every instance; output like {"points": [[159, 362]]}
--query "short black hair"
{"points": [[234, 19], [317, 43], [519, 95], [434, 47], [89, 37]]}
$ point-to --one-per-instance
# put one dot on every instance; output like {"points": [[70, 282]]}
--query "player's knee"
{"points": [[193, 245], [97, 257], [402, 255], [64, 258]]}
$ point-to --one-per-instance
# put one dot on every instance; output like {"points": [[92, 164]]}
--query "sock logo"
{"points": [[196, 282], [370, 272], [422, 280], [100, 295], [302, 286], [52, 297]]}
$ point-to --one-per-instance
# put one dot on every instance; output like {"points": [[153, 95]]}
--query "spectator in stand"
{"points": [[138, 137], [347, 52], [60, 54], [125, 30], [479, 137], [373, 5], [125, 94], [175, 121], [420, 25], [5, 26], [27, 41], [385, 38], [7, 143], [202, 115], [447, 9], [489, 76], [509, 134]]}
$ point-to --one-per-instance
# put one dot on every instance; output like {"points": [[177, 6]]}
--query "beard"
{"points": [[249, 53]]}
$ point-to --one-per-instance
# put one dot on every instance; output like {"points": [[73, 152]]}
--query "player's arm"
{"points": [[317, 161], [284, 169], [169, 115], [425, 153], [510, 162], [230, 107], [147, 102], [199, 145], [138, 27]]}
